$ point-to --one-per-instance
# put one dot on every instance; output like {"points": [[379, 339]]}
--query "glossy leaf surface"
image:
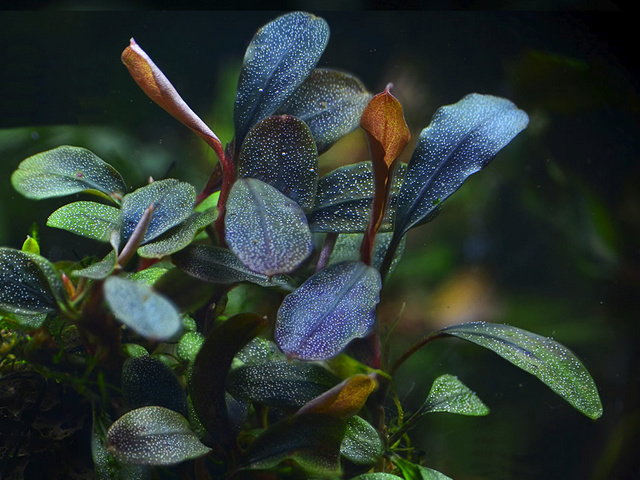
{"points": [[280, 151], [461, 140], [377, 476], [219, 265], [173, 202], [87, 219], [153, 436], [361, 444], [279, 58], [412, 471], [552, 363], [100, 269], [330, 102], [265, 229], [66, 170], [140, 308], [448, 394], [345, 399], [344, 199], [347, 247], [330, 309]]}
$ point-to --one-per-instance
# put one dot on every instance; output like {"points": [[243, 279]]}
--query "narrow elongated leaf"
{"points": [[448, 394], [140, 308], [88, 219], [279, 58], [219, 265], [330, 102], [153, 436], [330, 309], [344, 199], [173, 203], [361, 444], [66, 170], [461, 140], [280, 151], [552, 363], [265, 229]]}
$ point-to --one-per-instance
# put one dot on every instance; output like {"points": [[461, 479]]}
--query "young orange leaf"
{"points": [[345, 399]]}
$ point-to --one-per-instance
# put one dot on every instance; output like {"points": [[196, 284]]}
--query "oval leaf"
{"points": [[66, 170], [87, 219], [552, 363], [280, 151], [412, 471], [140, 308], [331, 103], [361, 444], [345, 399], [265, 229], [330, 309], [153, 436], [448, 394], [279, 58]]}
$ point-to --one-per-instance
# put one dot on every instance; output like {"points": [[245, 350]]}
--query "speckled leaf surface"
{"points": [[377, 476], [326, 312], [173, 203], [361, 443], [279, 58], [344, 198], [330, 102], [460, 141], [265, 229], [100, 269], [449, 394], [140, 308], [153, 436], [87, 219], [280, 151], [347, 247], [66, 170], [552, 363]]}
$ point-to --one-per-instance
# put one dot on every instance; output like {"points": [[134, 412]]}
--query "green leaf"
{"points": [[219, 265], [280, 151], [66, 170], [327, 311], [411, 471], [377, 476], [178, 237], [87, 219], [173, 203], [189, 346], [279, 58], [149, 276], [344, 199], [330, 102], [347, 247], [552, 363], [265, 229], [448, 394], [361, 444], [140, 308], [312, 441], [31, 245], [98, 270], [153, 436]]}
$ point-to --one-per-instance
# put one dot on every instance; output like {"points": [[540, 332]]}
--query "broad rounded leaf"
{"points": [[361, 444], [448, 394], [66, 170], [88, 219], [279, 58], [330, 309], [412, 471], [140, 308], [280, 151], [153, 436], [173, 203], [330, 102], [265, 229], [552, 363]]}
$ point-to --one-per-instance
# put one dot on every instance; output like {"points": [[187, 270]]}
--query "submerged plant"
{"points": [[305, 392]]}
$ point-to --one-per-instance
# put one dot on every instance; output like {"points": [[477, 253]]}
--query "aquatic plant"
{"points": [[307, 391]]}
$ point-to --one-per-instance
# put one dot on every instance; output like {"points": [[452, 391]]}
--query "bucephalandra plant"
{"points": [[307, 392]]}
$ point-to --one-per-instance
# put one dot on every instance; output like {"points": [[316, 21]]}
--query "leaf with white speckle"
{"points": [[331, 103], [333, 307], [153, 436], [66, 170], [140, 308], [377, 476], [100, 269], [279, 58], [361, 444], [448, 394], [87, 219], [280, 151], [265, 229], [552, 363], [347, 247]]}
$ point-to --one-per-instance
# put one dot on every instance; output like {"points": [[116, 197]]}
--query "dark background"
{"points": [[546, 238]]}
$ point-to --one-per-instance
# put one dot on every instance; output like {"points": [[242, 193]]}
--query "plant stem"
{"points": [[405, 356]]}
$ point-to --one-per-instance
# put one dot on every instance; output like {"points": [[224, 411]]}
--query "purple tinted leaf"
{"points": [[330, 309], [265, 229], [280, 151]]}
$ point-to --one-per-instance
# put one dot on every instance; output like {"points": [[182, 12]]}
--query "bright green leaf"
{"points": [[361, 444], [100, 269], [87, 219], [411, 471], [448, 394]]}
